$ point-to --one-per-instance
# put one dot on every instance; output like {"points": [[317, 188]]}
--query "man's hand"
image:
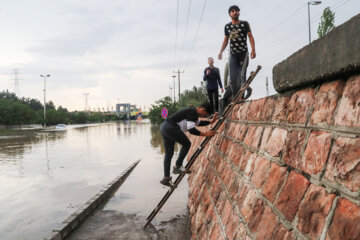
{"points": [[208, 133], [222, 90], [207, 71], [253, 54], [214, 118], [220, 56]]}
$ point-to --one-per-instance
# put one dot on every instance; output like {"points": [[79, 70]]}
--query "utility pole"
{"points": [[44, 76], [16, 74], [267, 87], [86, 101], [170, 88], [173, 76], [178, 72]]}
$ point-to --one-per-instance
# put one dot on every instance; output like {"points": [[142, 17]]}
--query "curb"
{"points": [[74, 220]]}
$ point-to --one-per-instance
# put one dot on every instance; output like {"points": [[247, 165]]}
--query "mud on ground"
{"points": [[113, 225]]}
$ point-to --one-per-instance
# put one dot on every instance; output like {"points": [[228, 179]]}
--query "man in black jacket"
{"points": [[213, 80], [173, 130]]}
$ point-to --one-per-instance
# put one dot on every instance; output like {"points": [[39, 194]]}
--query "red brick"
{"points": [[250, 135], [265, 137], [256, 214], [243, 111], [235, 112], [267, 225], [240, 132], [221, 128], [240, 233], [253, 136], [248, 203], [267, 109], [283, 234], [255, 109], [313, 211], [281, 109], [345, 223], [276, 142], [231, 226], [230, 128], [243, 190], [349, 110], [224, 145], [260, 172], [293, 148], [233, 189], [274, 181], [221, 201], [226, 212], [292, 194], [299, 106], [243, 160], [236, 153], [216, 232], [326, 101], [316, 152], [344, 163], [250, 164]]}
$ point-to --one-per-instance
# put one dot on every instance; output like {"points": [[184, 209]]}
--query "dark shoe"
{"points": [[181, 169], [167, 182]]}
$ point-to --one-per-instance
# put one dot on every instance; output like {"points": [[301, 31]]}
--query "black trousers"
{"points": [[171, 134], [214, 98]]}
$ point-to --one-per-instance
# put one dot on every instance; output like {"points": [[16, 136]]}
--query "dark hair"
{"points": [[210, 57], [233, 7], [207, 107]]}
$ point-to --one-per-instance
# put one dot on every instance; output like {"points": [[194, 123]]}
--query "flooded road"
{"points": [[46, 176]]}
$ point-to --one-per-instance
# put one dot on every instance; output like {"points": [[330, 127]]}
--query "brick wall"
{"points": [[282, 167]]}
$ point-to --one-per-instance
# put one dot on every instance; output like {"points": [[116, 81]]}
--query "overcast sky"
{"points": [[126, 51]]}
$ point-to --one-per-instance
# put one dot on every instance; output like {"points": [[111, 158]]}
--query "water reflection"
{"points": [[14, 148], [157, 141], [43, 173]]}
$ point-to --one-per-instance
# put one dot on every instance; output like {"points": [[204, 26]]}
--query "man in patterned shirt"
{"points": [[237, 31]]}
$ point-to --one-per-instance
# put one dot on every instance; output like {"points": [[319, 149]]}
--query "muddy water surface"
{"points": [[46, 176]]}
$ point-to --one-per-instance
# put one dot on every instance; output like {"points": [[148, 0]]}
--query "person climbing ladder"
{"points": [[173, 130]]}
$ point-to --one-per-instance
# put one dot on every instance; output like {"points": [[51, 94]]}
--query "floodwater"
{"points": [[46, 176]]}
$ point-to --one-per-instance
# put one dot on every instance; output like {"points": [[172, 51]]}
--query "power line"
{"points": [[197, 31], [288, 35], [185, 34], [283, 21], [176, 34]]}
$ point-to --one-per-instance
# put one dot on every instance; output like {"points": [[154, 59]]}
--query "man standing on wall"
{"points": [[237, 31], [213, 81]]}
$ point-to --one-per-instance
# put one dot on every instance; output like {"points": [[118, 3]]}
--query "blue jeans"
{"points": [[171, 134], [237, 67]]}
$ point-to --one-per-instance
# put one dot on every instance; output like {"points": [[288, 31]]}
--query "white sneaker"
{"points": [[181, 169]]}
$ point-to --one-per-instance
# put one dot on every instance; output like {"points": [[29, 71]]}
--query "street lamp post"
{"points": [[311, 3], [45, 76], [173, 76]]}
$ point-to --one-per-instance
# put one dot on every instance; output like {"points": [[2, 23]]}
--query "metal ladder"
{"points": [[238, 97]]}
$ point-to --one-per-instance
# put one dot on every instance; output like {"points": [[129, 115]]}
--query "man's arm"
{"points": [[224, 44], [205, 74], [219, 80], [226, 73], [252, 43]]}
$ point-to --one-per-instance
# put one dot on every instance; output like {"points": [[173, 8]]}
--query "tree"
{"points": [[155, 110], [327, 22], [194, 97]]}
